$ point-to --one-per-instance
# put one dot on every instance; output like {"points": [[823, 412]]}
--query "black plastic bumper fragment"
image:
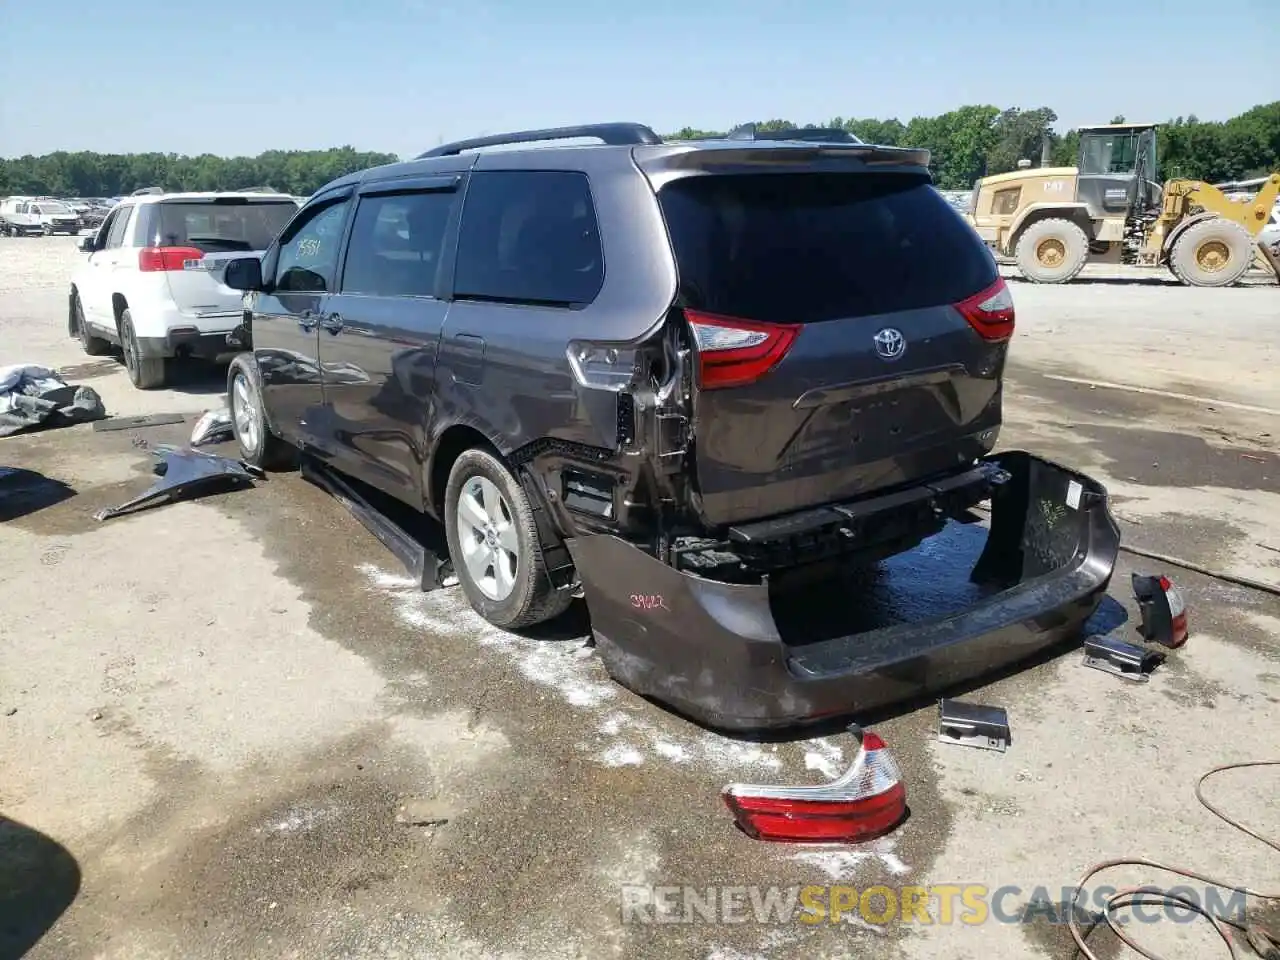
{"points": [[716, 651], [183, 473]]}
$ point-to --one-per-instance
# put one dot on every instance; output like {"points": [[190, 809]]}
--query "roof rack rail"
{"points": [[258, 189], [612, 134], [750, 131], [147, 191]]}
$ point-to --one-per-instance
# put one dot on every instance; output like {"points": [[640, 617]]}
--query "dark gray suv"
{"points": [[665, 374]]}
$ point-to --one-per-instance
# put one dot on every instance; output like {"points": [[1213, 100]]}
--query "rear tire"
{"points": [[494, 544], [1212, 253], [258, 445], [1052, 251], [92, 345], [147, 373]]}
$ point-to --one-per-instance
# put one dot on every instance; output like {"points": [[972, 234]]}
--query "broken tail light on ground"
{"points": [[990, 312], [1164, 612], [865, 803]]}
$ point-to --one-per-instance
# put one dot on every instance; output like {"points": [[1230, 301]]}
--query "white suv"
{"points": [[152, 282]]}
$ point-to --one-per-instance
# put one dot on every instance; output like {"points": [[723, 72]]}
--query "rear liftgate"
{"points": [[721, 654]]}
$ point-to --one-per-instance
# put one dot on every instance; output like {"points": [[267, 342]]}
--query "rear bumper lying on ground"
{"points": [[722, 655]]}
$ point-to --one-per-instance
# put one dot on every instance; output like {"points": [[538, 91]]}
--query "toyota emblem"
{"points": [[890, 343]]}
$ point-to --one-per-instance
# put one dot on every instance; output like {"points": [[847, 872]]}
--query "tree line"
{"points": [[966, 143]]}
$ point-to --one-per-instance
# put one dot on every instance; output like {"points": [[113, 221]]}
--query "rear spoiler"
{"points": [[661, 163]]}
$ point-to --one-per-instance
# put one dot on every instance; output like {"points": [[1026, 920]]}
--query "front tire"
{"points": [[147, 373], [494, 544], [1212, 253], [1052, 251], [258, 445]]}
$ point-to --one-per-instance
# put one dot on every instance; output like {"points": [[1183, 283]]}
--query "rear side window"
{"points": [[223, 226], [120, 222], [804, 248], [529, 237], [396, 244]]}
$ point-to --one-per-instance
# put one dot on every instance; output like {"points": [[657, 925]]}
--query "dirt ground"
{"points": [[215, 717]]}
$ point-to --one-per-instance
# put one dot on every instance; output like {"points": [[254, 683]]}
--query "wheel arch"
{"points": [[1181, 227], [453, 441], [119, 304], [1077, 213]]}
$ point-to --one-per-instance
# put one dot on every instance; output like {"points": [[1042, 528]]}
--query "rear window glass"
{"points": [[219, 227], [803, 248]]}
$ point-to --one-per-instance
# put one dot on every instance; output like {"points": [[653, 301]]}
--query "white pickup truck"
{"points": [[22, 216]]}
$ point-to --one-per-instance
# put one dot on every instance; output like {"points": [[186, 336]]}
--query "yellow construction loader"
{"points": [[1110, 208]]}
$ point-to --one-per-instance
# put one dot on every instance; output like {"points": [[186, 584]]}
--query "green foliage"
{"points": [[976, 141], [966, 143], [299, 172]]}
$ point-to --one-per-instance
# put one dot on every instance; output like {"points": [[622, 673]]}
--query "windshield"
{"points": [[46, 207], [1111, 152], [221, 226], [804, 248]]}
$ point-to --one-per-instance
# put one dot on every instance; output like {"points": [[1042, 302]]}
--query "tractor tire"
{"points": [[1052, 251], [1212, 253]]}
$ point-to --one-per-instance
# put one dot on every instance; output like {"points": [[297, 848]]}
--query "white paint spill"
{"points": [[624, 738], [825, 757], [446, 612], [841, 864], [671, 751], [620, 755], [299, 819]]}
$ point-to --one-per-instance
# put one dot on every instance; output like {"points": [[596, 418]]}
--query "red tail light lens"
{"points": [[990, 312], [1164, 612], [1177, 611], [733, 352], [867, 802], [157, 259]]}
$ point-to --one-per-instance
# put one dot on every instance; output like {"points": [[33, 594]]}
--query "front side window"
{"points": [[308, 256], [396, 244], [529, 237]]}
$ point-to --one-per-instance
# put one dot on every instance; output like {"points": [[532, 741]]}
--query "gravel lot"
{"points": [[215, 712]]}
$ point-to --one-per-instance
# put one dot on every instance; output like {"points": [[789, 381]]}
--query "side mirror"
{"points": [[88, 244], [243, 273]]}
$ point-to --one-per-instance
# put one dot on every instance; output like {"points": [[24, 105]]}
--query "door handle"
{"points": [[333, 323], [307, 321]]}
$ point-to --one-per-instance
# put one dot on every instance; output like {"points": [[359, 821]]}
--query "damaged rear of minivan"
{"points": [[824, 395]]}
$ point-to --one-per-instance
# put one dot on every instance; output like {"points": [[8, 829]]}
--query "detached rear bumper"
{"points": [[716, 653]]}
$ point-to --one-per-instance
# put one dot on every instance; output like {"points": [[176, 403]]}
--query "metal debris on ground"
{"points": [[214, 426], [184, 473], [142, 420], [973, 725], [424, 812], [35, 397], [1126, 660]]}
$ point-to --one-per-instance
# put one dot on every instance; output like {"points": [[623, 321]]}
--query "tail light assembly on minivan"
{"points": [[166, 259], [734, 352], [990, 312], [867, 802]]}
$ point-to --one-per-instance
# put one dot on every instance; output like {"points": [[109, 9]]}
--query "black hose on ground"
{"points": [[1262, 942]]}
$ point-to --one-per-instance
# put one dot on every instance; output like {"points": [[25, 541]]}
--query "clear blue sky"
{"points": [[399, 75]]}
